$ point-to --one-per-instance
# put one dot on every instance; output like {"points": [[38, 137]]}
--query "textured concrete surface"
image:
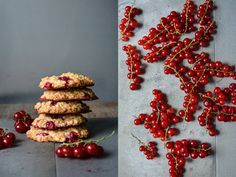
{"points": [[132, 163]]}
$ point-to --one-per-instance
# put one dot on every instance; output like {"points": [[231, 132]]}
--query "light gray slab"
{"points": [[99, 167], [132, 103], [26, 158], [225, 46]]}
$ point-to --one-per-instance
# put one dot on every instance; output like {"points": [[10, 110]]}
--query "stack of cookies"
{"points": [[60, 114]]}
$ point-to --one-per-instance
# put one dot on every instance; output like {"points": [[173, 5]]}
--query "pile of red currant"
{"points": [[23, 121], [134, 66], [80, 150], [6, 139], [128, 23], [162, 117], [149, 150], [180, 150]]}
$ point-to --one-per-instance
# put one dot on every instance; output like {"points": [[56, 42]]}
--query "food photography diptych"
{"points": [[127, 88]]}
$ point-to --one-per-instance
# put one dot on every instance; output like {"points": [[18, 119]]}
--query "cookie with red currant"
{"points": [[65, 81], [70, 94], [71, 134], [61, 107], [53, 122]]}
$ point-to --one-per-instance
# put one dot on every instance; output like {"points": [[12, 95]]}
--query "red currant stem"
{"points": [[157, 35], [166, 29], [166, 134], [139, 141], [186, 47], [224, 113], [4, 132], [131, 64], [176, 161], [202, 96], [206, 9], [201, 149], [158, 115], [176, 30], [197, 61], [90, 141], [217, 70], [207, 118], [165, 45], [186, 17], [192, 91], [181, 79], [192, 42]]}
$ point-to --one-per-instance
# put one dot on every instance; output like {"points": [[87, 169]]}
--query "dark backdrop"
{"points": [[46, 37]]}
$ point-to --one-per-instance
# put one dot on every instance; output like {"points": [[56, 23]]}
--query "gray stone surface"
{"points": [[225, 46], [132, 163], [32, 159]]}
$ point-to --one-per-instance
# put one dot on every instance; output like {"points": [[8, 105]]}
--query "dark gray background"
{"points": [[46, 37]]}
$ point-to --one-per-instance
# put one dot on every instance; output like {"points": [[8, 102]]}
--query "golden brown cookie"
{"points": [[71, 94], [61, 107], [65, 81], [53, 122], [60, 135]]}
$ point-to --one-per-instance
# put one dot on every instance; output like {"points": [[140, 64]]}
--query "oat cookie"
{"points": [[71, 94], [61, 107], [53, 122], [65, 81], [60, 135]]}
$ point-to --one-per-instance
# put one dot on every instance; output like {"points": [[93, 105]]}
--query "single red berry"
{"points": [[67, 151], [59, 152], [94, 150], [20, 127], [79, 152], [11, 136], [7, 142]]}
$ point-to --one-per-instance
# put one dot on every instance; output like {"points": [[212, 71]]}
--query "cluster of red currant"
{"points": [[128, 23], [80, 150], [23, 121], [168, 32], [215, 107], [6, 139], [180, 150], [205, 11], [161, 119], [134, 66], [149, 150]]}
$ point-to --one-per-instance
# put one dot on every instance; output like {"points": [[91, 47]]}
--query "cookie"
{"points": [[53, 122], [65, 81], [71, 94], [61, 107], [61, 135]]}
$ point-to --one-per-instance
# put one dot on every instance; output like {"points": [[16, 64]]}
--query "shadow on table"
{"points": [[99, 126]]}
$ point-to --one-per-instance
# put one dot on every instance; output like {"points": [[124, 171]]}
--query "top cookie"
{"points": [[70, 94], [65, 81]]}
